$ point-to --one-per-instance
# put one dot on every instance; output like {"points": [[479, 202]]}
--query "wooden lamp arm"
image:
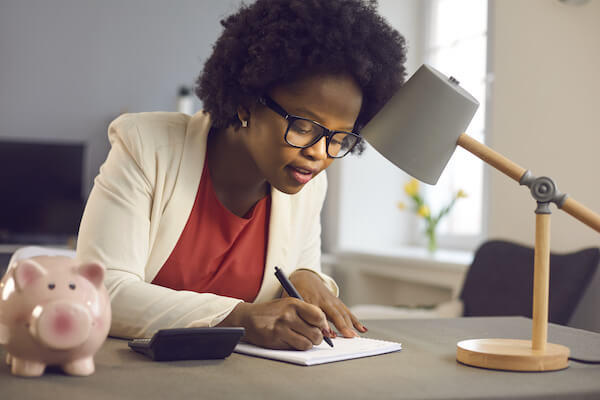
{"points": [[582, 213], [491, 157], [516, 172]]}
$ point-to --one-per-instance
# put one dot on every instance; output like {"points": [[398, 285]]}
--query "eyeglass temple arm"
{"points": [[267, 101]]}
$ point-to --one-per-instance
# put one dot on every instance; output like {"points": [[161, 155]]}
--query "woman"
{"points": [[190, 215]]}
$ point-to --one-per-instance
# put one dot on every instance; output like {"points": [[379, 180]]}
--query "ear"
{"points": [[27, 272], [93, 272], [243, 115]]}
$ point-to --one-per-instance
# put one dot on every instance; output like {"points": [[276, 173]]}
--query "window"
{"points": [[455, 43], [360, 211]]}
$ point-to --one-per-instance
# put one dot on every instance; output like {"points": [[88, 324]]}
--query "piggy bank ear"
{"points": [[93, 272], [27, 272]]}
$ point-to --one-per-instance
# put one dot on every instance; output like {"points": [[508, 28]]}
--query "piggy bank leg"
{"points": [[23, 367], [82, 367]]}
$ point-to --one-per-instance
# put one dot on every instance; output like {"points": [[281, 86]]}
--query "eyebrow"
{"points": [[315, 117]]}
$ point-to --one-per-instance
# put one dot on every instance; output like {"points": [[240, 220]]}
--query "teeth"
{"points": [[304, 171]]}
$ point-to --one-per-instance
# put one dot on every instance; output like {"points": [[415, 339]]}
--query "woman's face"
{"points": [[333, 101]]}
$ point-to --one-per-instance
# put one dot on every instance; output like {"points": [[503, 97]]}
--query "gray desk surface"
{"points": [[424, 369]]}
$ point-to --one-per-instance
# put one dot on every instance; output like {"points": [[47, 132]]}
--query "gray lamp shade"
{"points": [[418, 127]]}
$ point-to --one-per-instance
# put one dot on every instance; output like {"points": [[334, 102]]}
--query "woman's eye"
{"points": [[303, 127], [51, 286], [302, 130], [72, 286]]}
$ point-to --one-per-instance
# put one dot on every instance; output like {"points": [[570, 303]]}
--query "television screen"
{"points": [[41, 191]]}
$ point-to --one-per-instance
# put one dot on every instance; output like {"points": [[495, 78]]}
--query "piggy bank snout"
{"points": [[61, 324]]}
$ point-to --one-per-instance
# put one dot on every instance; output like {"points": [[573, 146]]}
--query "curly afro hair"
{"points": [[271, 42]]}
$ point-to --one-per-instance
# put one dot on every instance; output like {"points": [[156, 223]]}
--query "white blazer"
{"points": [[139, 205]]}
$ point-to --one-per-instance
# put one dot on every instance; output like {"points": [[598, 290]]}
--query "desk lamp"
{"points": [[418, 130]]}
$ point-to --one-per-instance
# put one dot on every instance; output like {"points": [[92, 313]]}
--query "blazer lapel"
{"points": [[278, 245], [182, 200]]}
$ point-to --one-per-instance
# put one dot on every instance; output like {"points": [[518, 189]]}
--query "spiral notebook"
{"points": [[343, 349]]}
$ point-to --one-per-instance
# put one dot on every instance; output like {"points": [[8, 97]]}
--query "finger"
{"points": [[341, 322], [357, 324], [346, 315], [296, 340], [312, 333], [312, 315], [353, 319]]}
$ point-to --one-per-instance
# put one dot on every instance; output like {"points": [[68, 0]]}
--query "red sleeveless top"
{"points": [[219, 252]]}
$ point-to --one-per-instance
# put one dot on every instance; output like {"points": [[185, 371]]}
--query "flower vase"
{"points": [[431, 239]]}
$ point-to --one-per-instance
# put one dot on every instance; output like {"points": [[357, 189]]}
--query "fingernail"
{"points": [[363, 328]]}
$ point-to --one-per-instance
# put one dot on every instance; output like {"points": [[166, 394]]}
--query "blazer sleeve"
{"points": [[115, 231]]}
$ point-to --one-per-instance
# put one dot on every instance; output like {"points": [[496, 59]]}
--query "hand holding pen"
{"points": [[292, 292]]}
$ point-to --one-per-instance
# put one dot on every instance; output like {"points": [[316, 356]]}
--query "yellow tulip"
{"points": [[401, 205], [423, 211], [412, 187], [461, 194]]}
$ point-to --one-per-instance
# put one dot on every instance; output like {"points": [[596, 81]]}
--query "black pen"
{"points": [[292, 292]]}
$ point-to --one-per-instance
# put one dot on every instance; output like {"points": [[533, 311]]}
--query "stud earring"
{"points": [[244, 123]]}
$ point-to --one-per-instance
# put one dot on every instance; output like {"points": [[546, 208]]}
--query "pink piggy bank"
{"points": [[53, 311]]}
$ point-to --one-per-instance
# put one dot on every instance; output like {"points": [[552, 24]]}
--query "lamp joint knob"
{"points": [[544, 191]]}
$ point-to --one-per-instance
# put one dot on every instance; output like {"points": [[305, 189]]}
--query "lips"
{"points": [[300, 174]]}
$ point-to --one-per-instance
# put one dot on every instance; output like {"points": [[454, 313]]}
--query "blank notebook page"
{"points": [[344, 349]]}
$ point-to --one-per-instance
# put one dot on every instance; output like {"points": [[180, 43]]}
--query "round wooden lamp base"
{"points": [[512, 355]]}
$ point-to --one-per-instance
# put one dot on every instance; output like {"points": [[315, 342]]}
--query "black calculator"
{"points": [[189, 343]]}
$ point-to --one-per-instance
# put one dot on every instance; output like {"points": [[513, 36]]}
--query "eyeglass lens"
{"points": [[304, 133]]}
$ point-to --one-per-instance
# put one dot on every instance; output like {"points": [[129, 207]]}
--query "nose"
{"points": [[317, 151]]}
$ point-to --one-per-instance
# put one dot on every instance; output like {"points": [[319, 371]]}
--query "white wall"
{"points": [[545, 112]]}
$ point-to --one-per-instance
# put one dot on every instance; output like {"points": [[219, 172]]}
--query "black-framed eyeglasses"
{"points": [[302, 132]]}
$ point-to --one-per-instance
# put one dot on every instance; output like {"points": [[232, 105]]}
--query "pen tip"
{"points": [[328, 340]]}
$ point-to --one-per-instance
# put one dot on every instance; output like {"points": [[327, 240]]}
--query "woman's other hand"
{"points": [[313, 290]]}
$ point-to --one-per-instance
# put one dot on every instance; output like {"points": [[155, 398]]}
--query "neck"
{"points": [[238, 183]]}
